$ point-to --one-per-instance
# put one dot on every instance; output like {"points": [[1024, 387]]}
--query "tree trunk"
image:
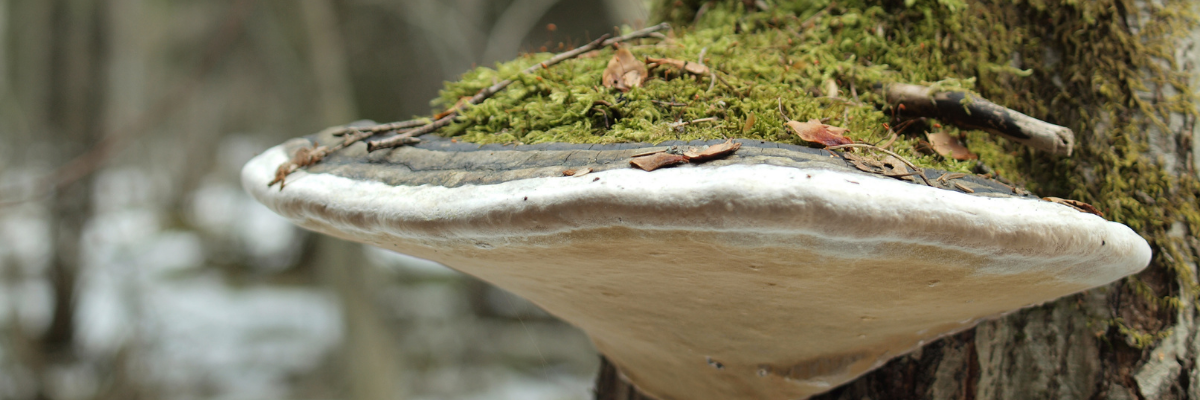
{"points": [[1137, 338]]}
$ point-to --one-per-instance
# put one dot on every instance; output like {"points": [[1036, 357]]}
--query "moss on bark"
{"points": [[1105, 68]]}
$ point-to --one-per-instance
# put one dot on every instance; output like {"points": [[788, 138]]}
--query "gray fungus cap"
{"points": [[778, 272]]}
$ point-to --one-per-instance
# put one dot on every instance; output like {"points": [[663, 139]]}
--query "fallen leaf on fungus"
{"points": [[624, 71], [816, 132], [949, 146], [657, 160], [1076, 204], [713, 152], [303, 157], [689, 67], [577, 172], [887, 166]]}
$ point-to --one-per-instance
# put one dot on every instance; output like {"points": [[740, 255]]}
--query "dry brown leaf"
{"points": [[687, 66], [1076, 204], [887, 166], [303, 157], [624, 71], [577, 172], [714, 152], [816, 132], [658, 160], [749, 124], [949, 146]]}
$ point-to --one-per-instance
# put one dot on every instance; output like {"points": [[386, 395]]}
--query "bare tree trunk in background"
{"points": [[369, 356], [74, 122], [1053, 351], [74, 119]]}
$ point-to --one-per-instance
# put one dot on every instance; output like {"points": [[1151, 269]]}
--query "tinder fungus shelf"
{"points": [[776, 272]]}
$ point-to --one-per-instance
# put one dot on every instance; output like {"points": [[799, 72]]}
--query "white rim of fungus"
{"points": [[757, 199]]}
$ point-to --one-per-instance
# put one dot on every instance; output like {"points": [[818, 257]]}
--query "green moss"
{"points": [[1075, 63], [787, 53]]}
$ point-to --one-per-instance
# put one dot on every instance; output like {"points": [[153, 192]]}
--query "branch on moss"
{"points": [[417, 127], [484, 94], [391, 126], [967, 111]]}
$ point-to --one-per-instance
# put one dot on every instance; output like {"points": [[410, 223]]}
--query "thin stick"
{"points": [[968, 111], [421, 126], [391, 126], [686, 123], [484, 94], [408, 136], [889, 152]]}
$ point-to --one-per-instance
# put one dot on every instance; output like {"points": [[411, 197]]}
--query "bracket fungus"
{"points": [[776, 272]]}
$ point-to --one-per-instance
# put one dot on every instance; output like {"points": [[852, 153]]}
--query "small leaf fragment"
{"points": [[714, 152], [749, 124], [1076, 204], [887, 166], [816, 132], [658, 160], [624, 71], [686, 66], [949, 146], [577, 172], [303, 157]]}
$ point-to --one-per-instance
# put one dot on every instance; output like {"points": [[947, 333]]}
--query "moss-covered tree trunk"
{"points": [[1122, 75]]}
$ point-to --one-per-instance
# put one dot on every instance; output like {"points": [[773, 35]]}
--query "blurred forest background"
{"points": [[133, 266]]}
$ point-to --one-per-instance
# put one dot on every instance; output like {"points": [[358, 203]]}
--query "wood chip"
{"points": [[1076, 204], [713, 152], [816, 132], [624, 71], [949, 146], [658, 160]]}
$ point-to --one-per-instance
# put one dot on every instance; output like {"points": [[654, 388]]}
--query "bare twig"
{"points": [[638, 34], [971, 112], [498, 86], [889, 152], [407, 137], [391, 126], [726, 83], [665, 103], [418, 127], [681, 124]]}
